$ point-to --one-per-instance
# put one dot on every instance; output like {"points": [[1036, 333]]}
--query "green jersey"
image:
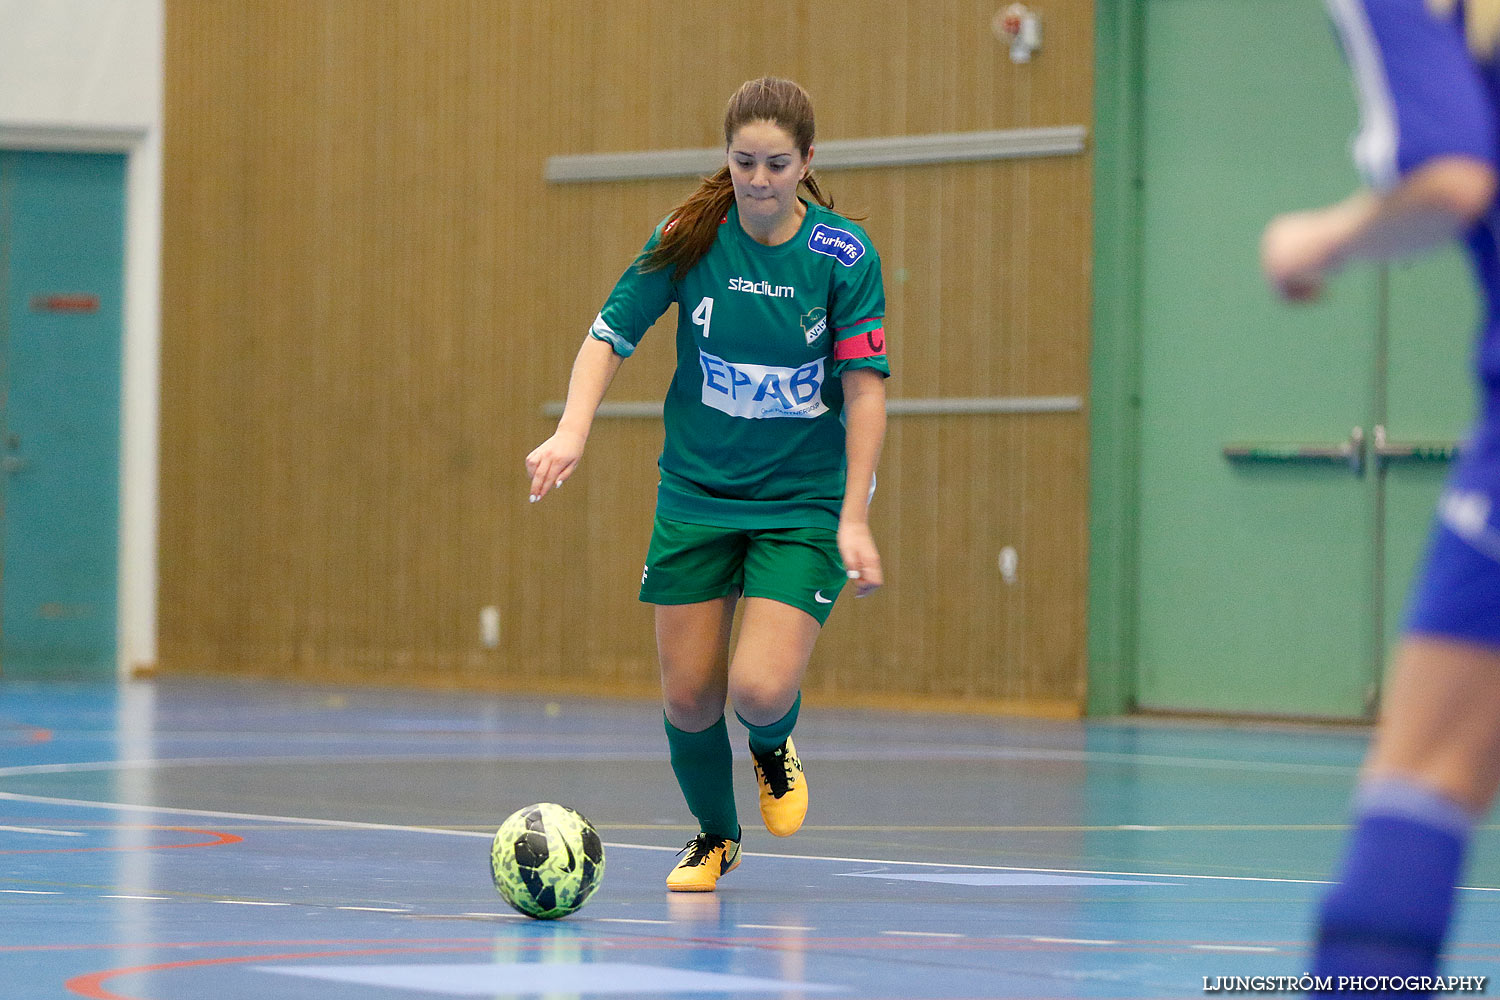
{"points": [[754, 428]]}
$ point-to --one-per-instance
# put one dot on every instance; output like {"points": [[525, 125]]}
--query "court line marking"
{"points": [[82, 767], [1258, 949], [373, 909], [221, 839], [92, 984], [923, 934], [476, 828], [29, 734], [45, 833], [345, 824], [631, 920], [1049, 828], [569, 752]]}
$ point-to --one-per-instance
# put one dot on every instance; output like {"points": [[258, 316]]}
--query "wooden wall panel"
{"points": [[370, 291]]}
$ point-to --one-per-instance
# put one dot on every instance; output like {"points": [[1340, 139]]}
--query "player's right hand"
{"points": [[1299, 251], [553, 461]]}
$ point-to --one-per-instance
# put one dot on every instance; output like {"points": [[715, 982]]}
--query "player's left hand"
{"points": [[861, 558]]}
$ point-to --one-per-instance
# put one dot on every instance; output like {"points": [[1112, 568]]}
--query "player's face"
{"points": [[766, 167]]}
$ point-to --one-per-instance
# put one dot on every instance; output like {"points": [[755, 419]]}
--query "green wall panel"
{"points": [[1429, 396], [1255, 581], [1248, 588]]}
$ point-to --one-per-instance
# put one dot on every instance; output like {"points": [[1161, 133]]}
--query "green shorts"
{"points": [[688, 563]]}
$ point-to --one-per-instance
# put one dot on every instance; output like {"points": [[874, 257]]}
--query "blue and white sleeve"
{"points": [[1420, 94]]}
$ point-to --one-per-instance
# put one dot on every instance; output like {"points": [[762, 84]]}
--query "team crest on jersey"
{"points": [[814, 323], [840, 244]]}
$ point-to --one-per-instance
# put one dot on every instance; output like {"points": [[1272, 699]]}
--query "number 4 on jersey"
{"points": [[704, 314]]}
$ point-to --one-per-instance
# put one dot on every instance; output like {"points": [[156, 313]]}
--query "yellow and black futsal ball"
{"points": [[546, 860]]}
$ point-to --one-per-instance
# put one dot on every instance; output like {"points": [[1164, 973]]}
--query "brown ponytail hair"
{"points": [[694, 225]]}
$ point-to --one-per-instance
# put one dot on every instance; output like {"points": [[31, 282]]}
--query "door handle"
{"points": [[1350, 453], [1387, 451]]}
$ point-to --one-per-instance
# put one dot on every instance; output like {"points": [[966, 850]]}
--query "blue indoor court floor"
{"points": [[196, 840]]}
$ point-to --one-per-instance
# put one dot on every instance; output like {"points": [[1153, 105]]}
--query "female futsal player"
{"points": [[1429, 87], [774, 423]]}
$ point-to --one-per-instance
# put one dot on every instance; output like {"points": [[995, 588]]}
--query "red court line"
{"points": [[220, 839], [91, 984], [32, 734]]}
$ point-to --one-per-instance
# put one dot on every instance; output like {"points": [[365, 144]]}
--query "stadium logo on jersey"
{"points": [[840, 244], [814, 323], [761, 288], [762, 392]]}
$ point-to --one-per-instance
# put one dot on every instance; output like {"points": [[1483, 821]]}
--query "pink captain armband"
{"points": [[863, 345]]}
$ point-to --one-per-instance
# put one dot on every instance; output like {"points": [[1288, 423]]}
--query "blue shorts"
{"points": [[1457, 594]]}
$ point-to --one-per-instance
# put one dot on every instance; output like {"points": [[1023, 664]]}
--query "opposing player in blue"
{"points": [[774, 423], [1429, 87]]}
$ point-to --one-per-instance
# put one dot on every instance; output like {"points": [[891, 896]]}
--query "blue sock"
{"points": [[1390, 912], [764, 739]]}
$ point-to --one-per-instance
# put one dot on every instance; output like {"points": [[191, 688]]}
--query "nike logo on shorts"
{"points": [[818, 596]]}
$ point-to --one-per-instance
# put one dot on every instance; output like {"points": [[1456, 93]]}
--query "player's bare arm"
{"points": [[554, 460], [1301, 250], [864, 421]]}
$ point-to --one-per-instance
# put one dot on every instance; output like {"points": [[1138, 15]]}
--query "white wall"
{"points": [[87, 75], [81, 62]]}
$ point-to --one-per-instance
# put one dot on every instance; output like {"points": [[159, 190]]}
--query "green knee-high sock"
{"points": [[764, 739], [704, 766]]}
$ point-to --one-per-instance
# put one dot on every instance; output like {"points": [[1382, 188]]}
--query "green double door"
{"points": [[1280, 518], [61, 289]]}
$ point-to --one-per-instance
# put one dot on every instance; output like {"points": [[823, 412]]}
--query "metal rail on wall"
{"points": [[918, 407], [832, 154]]}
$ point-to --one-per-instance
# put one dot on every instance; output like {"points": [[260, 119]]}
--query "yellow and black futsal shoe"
{"points": [[783, 789], [707, 858]]}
